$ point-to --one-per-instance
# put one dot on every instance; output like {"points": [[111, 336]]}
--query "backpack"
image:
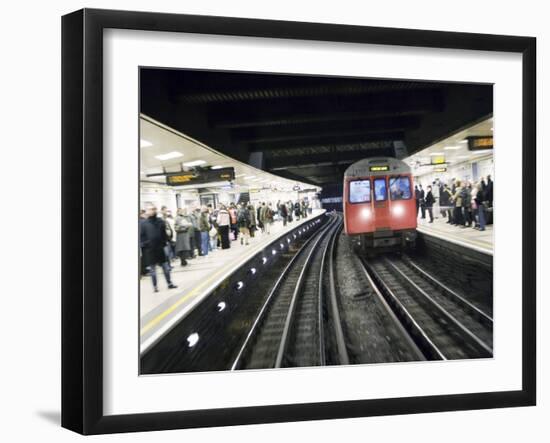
{"points": [[465, 196]]}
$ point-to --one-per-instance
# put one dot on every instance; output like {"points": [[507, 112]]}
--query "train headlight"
{"points": [[398, 210], [365, 213]]}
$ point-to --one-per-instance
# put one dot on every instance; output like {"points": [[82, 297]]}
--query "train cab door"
{"points": [[381, 204]]}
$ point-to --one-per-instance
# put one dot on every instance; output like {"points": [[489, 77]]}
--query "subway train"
{"points": [[379, 205]]}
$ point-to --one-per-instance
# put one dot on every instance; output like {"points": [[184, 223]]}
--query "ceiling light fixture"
{"points": [[216, 167], [194, 163], [144, 143], [169, 156]]}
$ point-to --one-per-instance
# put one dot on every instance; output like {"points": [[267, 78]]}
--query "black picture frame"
{"points": [[82, 259]]}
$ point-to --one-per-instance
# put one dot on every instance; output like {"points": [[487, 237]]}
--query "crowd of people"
{"points": [[204, 229], [463, 203]]}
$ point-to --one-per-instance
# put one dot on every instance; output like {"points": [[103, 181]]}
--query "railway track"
{"points": [[289, 330], [442, 323]]}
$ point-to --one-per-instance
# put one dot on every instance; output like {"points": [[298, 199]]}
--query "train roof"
{"points": [[374, 166]]}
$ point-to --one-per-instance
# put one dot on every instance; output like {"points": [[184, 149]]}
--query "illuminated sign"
{"points": [[379, 168], [437, 159], [480, 143], [199, 177]]}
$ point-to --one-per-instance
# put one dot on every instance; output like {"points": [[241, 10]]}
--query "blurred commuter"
{"points": [[266, 218], [252, 215], [142, 267], [283, 211], [195, 217], [243, 221], [224, 223], [437, 197], [422, 201], [429, 202], [233, 216], [479, 207], [297, 210], [445, 203], [289, 207], [467, 204], [153, 239], [417, 199], [182, 227], [204, 228], [304, 208], [457, 203]]}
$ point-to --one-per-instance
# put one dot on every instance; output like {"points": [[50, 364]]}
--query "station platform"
{"points": [[160, 311], [481, 241]]}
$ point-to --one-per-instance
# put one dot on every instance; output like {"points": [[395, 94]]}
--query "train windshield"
{"points": [[400, 188], [359, 191], [380, 189]]}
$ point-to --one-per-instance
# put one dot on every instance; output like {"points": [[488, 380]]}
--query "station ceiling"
{"points": [[309, 128]]}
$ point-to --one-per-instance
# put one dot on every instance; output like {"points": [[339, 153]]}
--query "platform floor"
{"points": [[472, 238], [159, 311]]}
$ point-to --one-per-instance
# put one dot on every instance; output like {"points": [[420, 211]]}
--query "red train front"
{"points": [[379, 204]]}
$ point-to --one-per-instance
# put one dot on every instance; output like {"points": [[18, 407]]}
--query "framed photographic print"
{"points": [[269, 221]]}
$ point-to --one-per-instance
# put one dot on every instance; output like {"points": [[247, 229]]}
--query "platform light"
{"points": [[273, 251], [144, 143], [217, 167], [252, 271], [294, 235], [240, 285], [221, 306], [288, 240], [169, 156], [264, 260], [194, 163], [192, 339], [281, 245]]}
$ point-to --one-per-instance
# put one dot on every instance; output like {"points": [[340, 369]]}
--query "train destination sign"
{"points": [[476, 143], [379, 168], [199, 177]]}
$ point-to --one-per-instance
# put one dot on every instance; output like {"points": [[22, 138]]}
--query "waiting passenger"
{"points": [[253, 222], [457, 202], [152, 241], [243, 220], [445, 203], [204, 227], [478, 201], [224, 223], [429, 202], [183, 241]]}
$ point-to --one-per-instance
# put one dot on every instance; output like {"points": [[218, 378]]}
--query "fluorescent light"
{"points": [[216, 167], [194, 163], [463, 141], [144, 143], [436, 153], [169, 156], [451, 148], [249, 177]]}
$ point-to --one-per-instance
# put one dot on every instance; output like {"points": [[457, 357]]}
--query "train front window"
{"points": [[400, 188], [359, 191], [380, 189]]}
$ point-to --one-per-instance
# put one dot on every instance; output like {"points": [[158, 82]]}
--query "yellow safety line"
{"points": [[172, 308]]}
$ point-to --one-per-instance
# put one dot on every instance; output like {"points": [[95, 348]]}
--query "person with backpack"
{"points": [[243, 221]]}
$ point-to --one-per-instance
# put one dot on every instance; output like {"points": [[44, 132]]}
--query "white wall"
{"points": [[460, 171], [30, 98]]}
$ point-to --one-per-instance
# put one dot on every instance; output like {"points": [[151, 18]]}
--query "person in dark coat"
{"points": [[153, 239], [422, 201], [183, 241], [195, 218], [142, 267], [283, 212], [429, 201]]}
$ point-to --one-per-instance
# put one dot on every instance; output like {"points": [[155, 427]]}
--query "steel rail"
{"points": [[260, 317], [430, 349], [472, 338], [343, 355], [283, 344], [487, 319]]}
